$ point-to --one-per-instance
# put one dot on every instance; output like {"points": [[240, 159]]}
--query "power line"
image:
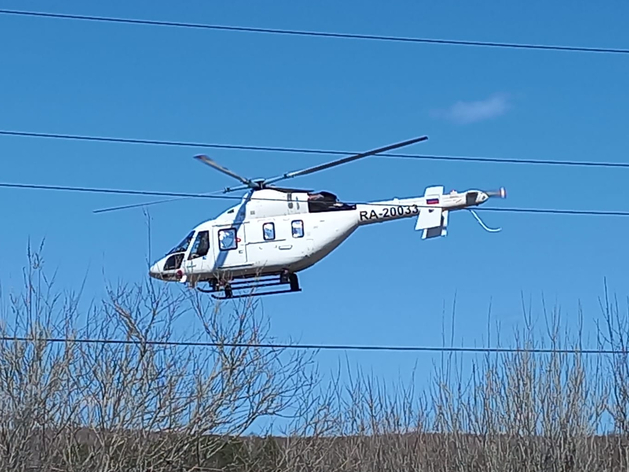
{"points": [[230, 197], [75, 137], [321, 347], [291, 32], [557, 211]]}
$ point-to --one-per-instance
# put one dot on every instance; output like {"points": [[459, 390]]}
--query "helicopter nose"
{"points": [[156, 270]]}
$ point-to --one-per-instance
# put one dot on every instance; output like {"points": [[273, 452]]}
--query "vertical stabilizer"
{"points": [[433, 221]]}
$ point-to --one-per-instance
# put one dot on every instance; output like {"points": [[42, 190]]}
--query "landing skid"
{"points": [[229, 288]]}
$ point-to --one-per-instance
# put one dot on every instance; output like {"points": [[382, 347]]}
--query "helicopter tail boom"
{"points": [[433, 216]]}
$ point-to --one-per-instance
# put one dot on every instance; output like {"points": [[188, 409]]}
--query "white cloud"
{"points": [[471, 112]]}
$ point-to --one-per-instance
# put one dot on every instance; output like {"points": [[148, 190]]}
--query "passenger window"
{"points": [[201, 245], [227, 239], [268, 230], [297, 227]]}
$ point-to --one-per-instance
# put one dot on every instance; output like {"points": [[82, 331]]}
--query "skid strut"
{"points": [[250, 286]]}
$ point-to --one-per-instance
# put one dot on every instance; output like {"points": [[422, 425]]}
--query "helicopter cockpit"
{"points": [[176, 254], [183, 245], [325, 201], [173, 259]]}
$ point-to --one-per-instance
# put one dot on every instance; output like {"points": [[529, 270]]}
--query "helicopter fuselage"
{"points": [[272, 232], [276, 232]]}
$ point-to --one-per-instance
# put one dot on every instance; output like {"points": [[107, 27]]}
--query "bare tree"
{"points": [[112, 386], [147, 404], [516, 411]]}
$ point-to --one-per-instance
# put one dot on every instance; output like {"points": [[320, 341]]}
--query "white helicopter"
{"points": [[276, 232]]}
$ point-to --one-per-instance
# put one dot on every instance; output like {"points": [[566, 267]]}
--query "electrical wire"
{"points": [[317, 346], [558, 211], [321, 34], [74, 137], [239, 198], [312, 151]]}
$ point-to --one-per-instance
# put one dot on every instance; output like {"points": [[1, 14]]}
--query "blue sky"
{"points": [[384, 285]]}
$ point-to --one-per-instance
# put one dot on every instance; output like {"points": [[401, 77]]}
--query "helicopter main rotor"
{"points": [[260, 184]]}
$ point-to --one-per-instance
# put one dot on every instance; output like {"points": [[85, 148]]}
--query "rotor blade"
{"points": [[290, 189], [220, 168], [156, 202], [240, 187], [135, 205], [344, 160]]}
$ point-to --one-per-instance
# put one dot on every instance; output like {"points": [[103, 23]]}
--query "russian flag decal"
{"points": [[432, 201]]}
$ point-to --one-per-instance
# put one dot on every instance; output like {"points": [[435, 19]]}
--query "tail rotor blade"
{"points": [[500, 193]]}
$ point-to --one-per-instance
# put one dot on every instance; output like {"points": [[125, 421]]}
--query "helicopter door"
{"points": [[231, 245]]}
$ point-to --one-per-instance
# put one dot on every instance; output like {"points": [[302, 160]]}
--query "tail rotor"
{"points": [[500, 193]]}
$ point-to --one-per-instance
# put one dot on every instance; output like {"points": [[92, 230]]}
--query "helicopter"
{"points": [[275, 232]]}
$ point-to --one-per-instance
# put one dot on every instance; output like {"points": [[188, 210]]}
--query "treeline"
{"points": [[154, 406]]}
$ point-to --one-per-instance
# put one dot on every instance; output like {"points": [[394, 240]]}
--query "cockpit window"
{"points": [[183, 245], [173, 262], [201, 245]]}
